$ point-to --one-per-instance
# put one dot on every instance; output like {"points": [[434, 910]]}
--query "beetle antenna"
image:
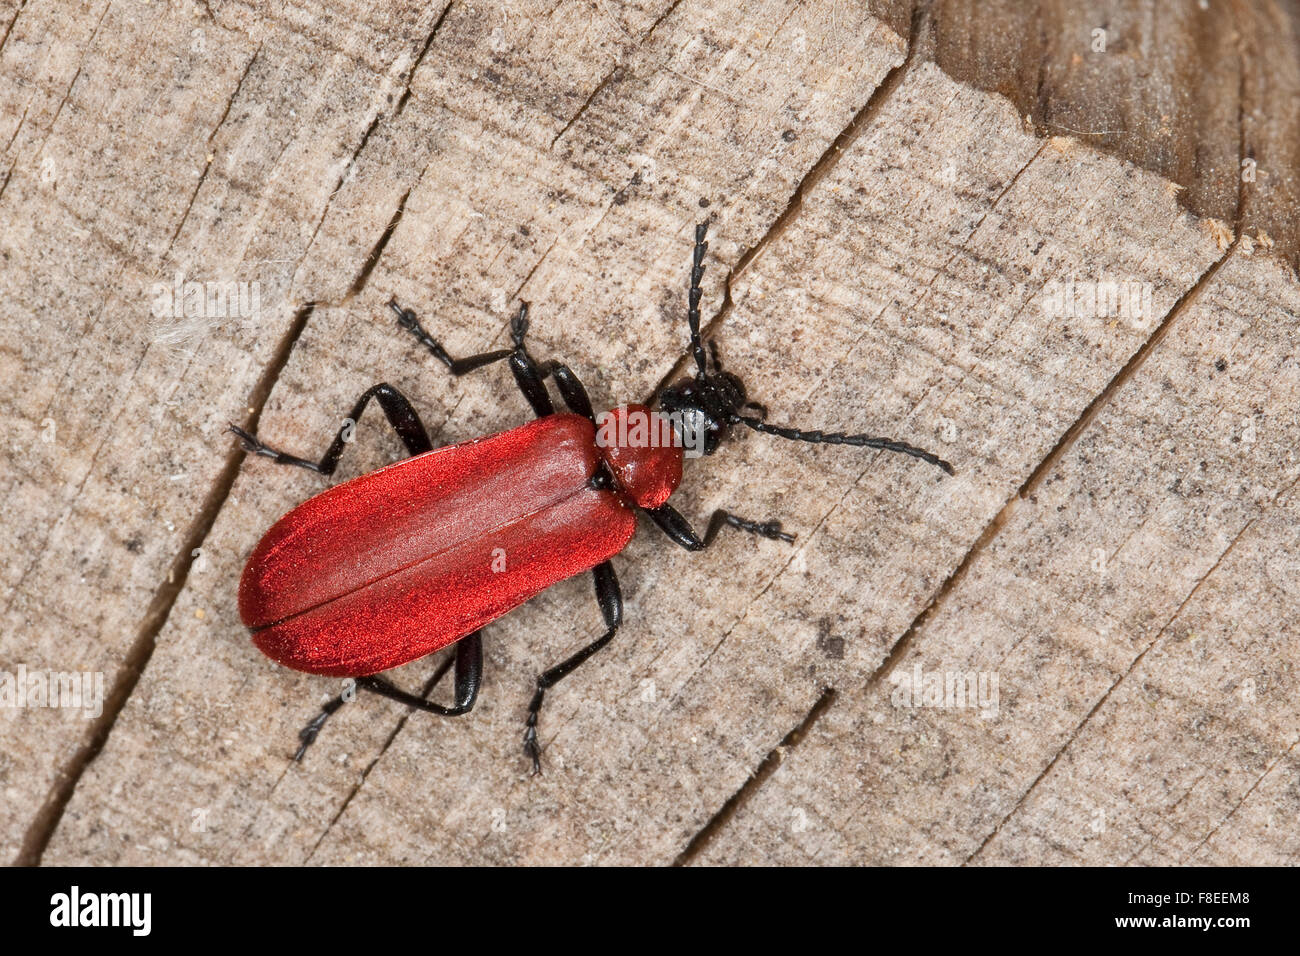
{"points": [[693, 297], [839, 438]]}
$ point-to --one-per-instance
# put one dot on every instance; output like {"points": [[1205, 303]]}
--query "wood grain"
{"points": [[891, 248], [580, 222], [1188, 90], [1143, 662]]}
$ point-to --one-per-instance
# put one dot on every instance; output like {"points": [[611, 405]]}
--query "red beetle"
{"points": [[384, 569]]}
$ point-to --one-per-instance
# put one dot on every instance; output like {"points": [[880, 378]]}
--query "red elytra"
{"points": [[396, 564]]}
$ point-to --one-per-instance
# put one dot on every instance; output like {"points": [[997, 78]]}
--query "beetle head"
{"points": [[702, 407]]}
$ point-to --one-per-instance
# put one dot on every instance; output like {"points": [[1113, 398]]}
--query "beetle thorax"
{"points": [[643, 451]]}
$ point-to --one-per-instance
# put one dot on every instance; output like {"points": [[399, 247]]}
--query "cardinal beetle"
{"points": [[396, 564]]}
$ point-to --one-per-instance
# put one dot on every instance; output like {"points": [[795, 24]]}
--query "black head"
{"points": [[703, 407]]}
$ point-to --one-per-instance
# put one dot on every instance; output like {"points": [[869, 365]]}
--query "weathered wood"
{"points": [[622, 750], [142, 143], [1137, 607], [892, 235], [1187, 90], [591, 222]]}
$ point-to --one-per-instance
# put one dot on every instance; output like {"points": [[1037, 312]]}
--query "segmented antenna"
{"points": [[693, 310], [839, 438]]}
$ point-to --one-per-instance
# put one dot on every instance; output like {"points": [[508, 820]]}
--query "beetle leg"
{"points": [[611, 607], [399, 411], [469, 676], [529, 379], [680, 531], [571, 388], [459, 366], [308, 734], [527, 375]]}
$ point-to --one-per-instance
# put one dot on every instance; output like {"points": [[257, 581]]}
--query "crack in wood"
{"points": [[208, 160], [377, 251], [46, 821], [618, 65], [1244, 797], [9, 29], [365, 139], [591, 98], [753, 784], [1044, 467], [1106, 696], [410, 76], [1028, 488], [771, 763], [448, 660], [1173, 808], [861, 120], [89, 45]]}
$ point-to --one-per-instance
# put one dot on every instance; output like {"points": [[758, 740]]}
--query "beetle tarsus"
{"points": [[772, 530], [249, 443], [255, 446], [309, 733], [462, 366], [308, 736], [764, 529], [533, 750], [519, 326]]}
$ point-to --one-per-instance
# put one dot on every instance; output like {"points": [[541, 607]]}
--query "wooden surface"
{"points": [[1117, 546], [1191, 90]]}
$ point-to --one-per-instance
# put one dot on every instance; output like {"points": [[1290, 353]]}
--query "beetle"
{"points": [[396, 564]]}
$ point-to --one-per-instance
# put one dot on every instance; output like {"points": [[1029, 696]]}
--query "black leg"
{"points": [[407, 320], [529, 380], [527, 375], [611, 607], [680, 531], [571, 388], [401, 415], [469, 677]]}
